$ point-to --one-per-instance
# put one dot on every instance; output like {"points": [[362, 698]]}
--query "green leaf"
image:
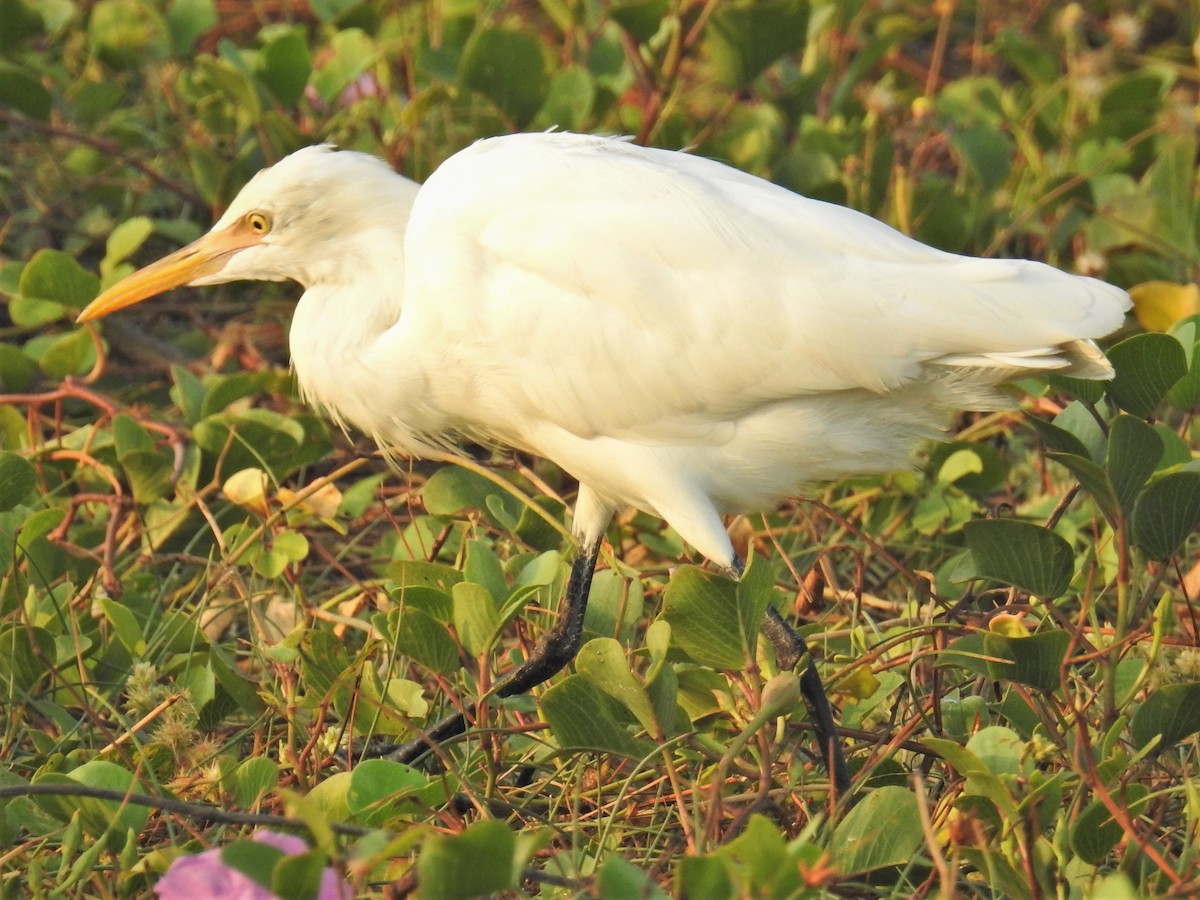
{"points": [[570, 99], [1167, 513], [149, 473], [27, 656], [252, 438], [56, 276], [882, 830], [1036, 660], [23, 92], [378, 785], [352, 52], [188, 20], [1094, 480], [1095, 833], [73, 353], [453, 488], [286, 64], [999, 749], [1060, 439], [417, 634], [1172, 712], [1134, 450], [254, 779], [620, 878], [602, 662], [701, 608], [579, 716], [744, 38], [1024, 555], [640, 18], [17, 480], [510, 68], [298, 876], [125, 624], [104, 816], [476, 618], [254, 859], [477, 862], [124, 240], [1147, 366]]}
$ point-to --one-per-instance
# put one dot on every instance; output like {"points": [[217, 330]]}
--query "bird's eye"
{"points": [[260, 223]]}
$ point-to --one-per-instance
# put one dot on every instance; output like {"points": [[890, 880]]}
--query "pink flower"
{"points": [[205, 877]]}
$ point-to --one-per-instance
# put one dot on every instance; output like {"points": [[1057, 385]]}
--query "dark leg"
{"points": [[556, 648], [790, 648]]}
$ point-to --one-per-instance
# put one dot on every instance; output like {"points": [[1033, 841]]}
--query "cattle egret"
{"points": [[679, 336]]}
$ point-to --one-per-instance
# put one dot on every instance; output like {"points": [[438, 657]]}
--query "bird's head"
{"points": [[286, 222]]}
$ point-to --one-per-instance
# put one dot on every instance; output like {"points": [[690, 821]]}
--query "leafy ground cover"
{"points": [[210, 597]]}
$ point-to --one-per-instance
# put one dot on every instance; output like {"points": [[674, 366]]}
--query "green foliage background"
{"points": [[208, 595]]}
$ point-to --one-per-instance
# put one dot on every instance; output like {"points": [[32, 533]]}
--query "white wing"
{"points": [[616, 290]]}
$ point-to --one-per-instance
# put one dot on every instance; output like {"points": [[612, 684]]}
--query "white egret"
{"points": [[680, 336]]}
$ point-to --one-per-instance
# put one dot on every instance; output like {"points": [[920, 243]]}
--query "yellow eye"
{"points": [[260, 223]]}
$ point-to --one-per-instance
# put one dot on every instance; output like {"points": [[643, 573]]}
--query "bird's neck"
{"points": [[339, 339]]}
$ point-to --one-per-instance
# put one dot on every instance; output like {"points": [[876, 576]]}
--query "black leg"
{"points": [[790, 648], [556, 648]]}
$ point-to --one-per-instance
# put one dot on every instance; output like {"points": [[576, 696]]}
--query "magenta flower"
{"points": [[205, 877]]}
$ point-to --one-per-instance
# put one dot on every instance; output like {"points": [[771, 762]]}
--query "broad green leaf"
{"points": [[570, 100], [999, 749], [23, 92], [602, 662], [149, 473], [254, 859], [17, 479], [188, 20], [742, 39], [1095, 832], [1059, 439], [378, 785], [620, 878], [884, 829], [102, 816], [27, 656], [352, 52], [453, 488], [475, 617], [72, 353], [419, 635], [253, 780], [1167, 513], [1172, 712], [125, 624], [126, 33], [1036, 660], [1147, 366], [252, 438], [124, 240], [484, 568], [641, 18], [298, 876], [579, 716], [479, 861], [1134, 450], [1024, 555], [1094, 480], [702, 610], [286, 64], [408, 573], [508, 67]]}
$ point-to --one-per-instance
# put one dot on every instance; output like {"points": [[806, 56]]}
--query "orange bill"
{"points": [[199, 258]]}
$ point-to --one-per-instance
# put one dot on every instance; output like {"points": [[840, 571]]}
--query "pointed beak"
{"points": [[204, 256]]}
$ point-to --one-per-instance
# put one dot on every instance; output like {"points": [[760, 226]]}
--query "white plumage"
{"points": [[680, 336]]}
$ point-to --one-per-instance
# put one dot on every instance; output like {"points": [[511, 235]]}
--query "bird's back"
{"points": [[664, 326]]}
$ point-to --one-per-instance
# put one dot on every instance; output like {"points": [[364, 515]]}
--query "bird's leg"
{"points": [[790, 648], [556, 648]]}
